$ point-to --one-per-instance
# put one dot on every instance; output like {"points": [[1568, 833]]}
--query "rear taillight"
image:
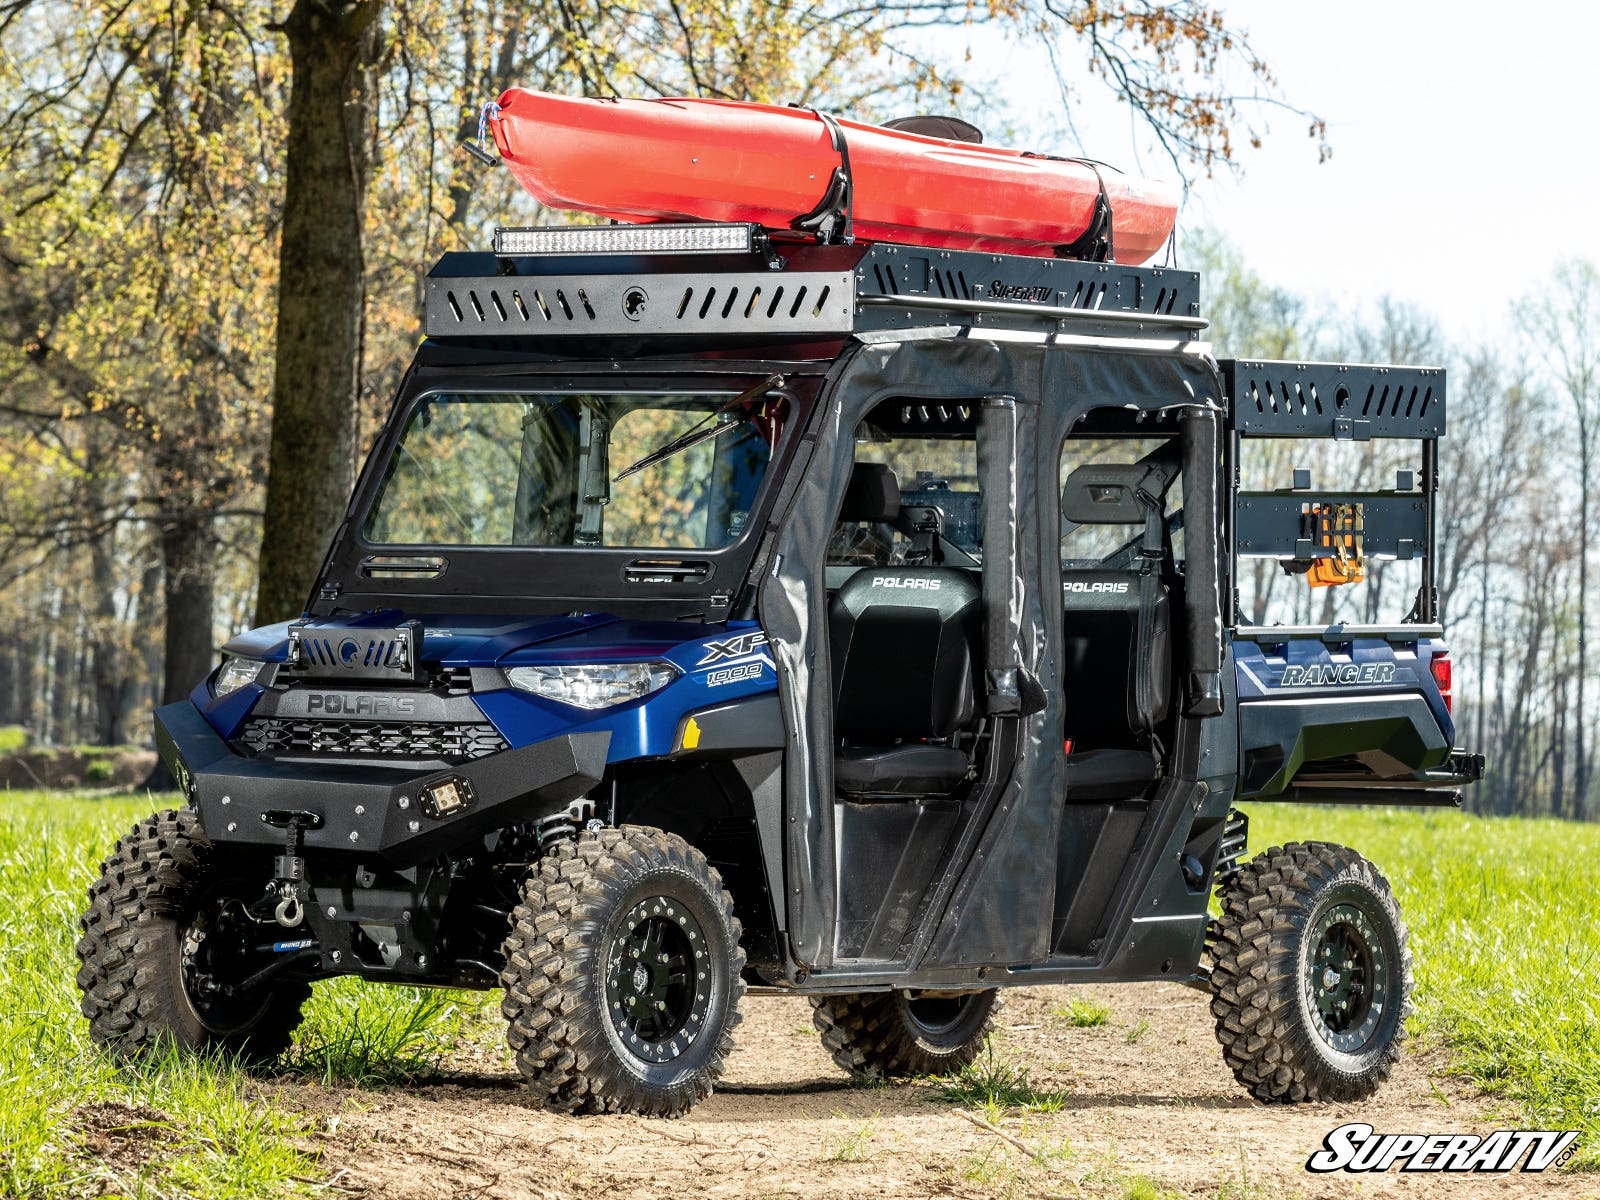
{"points": [[1441, 675]]}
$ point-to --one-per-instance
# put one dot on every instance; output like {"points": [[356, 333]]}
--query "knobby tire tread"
{"points": [[867, 1035], [131, 994], [552, 973], [1255, 945]]}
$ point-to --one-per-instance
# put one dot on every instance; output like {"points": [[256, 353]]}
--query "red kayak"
{"points": [[719, 160]]}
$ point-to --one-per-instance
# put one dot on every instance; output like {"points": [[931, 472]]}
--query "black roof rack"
{"points": [[788, 289]]}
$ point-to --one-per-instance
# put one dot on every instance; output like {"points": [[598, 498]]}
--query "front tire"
{"points": [[157, 941], [622, 975], [1312, 975], [882, 1035]]}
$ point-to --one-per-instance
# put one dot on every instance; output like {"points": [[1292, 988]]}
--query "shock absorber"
{"points": [[565, 826]]}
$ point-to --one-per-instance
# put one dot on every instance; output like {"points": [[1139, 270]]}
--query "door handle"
{"points": [[667, 570]]}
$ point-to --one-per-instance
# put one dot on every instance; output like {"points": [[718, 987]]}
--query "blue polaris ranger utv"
{"points": [[721, 611]]}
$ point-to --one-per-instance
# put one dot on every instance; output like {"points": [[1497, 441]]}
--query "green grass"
{"points": [[183, 1125], [1083, 1014], [995, 1084], [856, 1145], [12, 739], [1505, 930]]}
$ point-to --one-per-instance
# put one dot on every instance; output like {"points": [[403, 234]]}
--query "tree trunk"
{"points": [[188, 560], [321, 294], [141, 691], [61, 730], [110, 663]]}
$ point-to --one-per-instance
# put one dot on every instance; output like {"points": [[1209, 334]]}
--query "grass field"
{"points": [[1503, 916]]}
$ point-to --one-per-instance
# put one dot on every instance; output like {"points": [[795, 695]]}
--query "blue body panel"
{"points": [[718, 664], [1308, 667]]}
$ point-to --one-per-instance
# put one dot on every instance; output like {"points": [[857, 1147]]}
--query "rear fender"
{"points": [[1359, 695]]}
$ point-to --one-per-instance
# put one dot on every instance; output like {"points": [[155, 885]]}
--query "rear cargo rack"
{"points": [[1352, 402], [1338, 400]]}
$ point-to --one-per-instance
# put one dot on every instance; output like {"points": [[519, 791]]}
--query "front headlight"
{"points": [[593, 685], [235, 673]]}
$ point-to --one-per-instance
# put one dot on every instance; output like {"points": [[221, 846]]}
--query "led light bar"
{"points": [[694, 238]]}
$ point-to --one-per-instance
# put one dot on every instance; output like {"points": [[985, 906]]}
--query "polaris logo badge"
{"points": [[1357, 1147], [1118, 588], [335, 703], [1336, 674], [910, 585]]}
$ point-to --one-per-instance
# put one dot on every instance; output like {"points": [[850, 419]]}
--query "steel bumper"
{"points": [[369, 810]]}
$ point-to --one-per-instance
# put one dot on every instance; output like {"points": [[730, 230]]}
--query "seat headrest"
{"points": [[1108, 494], [873, 494]]}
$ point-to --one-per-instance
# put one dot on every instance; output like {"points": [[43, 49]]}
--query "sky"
{"points": [[1464, 162]]}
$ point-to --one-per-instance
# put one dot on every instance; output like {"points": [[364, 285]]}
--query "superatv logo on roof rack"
{"points": [[1000, 290]]}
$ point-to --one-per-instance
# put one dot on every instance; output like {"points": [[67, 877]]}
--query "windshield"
{"points": [[543, 470]]}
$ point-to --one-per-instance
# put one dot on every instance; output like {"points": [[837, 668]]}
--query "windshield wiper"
{"points": [[700, 433]]}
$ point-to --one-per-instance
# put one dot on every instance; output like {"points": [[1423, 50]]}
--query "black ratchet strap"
{"points": [[833, 219], [1095, 243]]}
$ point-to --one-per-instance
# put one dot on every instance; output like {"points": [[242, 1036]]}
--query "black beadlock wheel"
{"points": [[622, 975], [162, 939], [1311, 975], [876, 1035]]}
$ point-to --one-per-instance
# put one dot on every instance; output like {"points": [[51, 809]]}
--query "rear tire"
{"points": [[143, 952], [882, 1035], [1312, 975], [622, 975]]}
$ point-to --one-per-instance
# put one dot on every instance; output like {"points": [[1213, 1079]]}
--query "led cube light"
{"points": [[695, 238], [446, 797]]}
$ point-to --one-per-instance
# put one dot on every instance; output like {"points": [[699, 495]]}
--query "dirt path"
{"points": [[1149, 1111]]}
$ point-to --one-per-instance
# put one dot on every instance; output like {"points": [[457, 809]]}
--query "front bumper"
{"points": [[369, 810]]}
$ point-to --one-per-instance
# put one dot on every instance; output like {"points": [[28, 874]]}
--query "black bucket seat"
{"points": [[1117, 636], [905, 669]]}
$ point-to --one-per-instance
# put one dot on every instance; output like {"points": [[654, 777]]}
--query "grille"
{"points": [[274, 737], [452, 681]]}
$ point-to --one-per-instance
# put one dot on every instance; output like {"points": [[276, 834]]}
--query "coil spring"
{"points": [[563, 826]]}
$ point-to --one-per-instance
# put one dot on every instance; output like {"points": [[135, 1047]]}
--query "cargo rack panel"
{"points": [[1334, 400]]}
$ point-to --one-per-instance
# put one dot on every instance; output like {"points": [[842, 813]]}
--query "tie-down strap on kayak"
{"points": [[833, 218], [1096, 243]]}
